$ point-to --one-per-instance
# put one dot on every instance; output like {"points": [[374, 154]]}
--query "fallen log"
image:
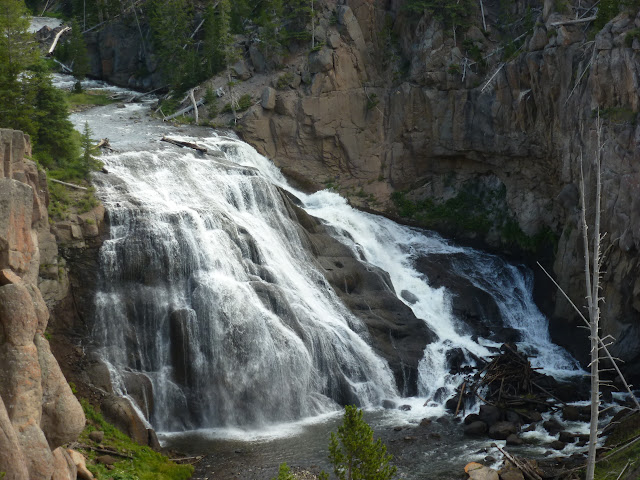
{"points": [[107, 451], [182, 144], [67, 184], [572, 22], [187, 460], [184, 110], [524, 467], [55, 40], [63, 66]]}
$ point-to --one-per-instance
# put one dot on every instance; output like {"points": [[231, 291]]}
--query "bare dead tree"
{"points": [[592, 272]]}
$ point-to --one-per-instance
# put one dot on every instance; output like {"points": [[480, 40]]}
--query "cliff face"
{"points": [[508, 135], [38, 411]]}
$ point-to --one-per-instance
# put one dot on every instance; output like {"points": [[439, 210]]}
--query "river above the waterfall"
{"points": [[432, 450]]}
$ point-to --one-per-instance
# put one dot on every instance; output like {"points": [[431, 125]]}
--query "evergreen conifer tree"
{"points": [[354, 453]]}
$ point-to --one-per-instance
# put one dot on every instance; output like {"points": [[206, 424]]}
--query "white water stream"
{"points": [[208, 290]]}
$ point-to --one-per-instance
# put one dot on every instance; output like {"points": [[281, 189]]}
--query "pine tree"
{"points": [[54, 136], [88, 161], [77, 52], [353, 452]]}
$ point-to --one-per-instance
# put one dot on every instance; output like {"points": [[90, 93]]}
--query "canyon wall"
{"points": [[424, 119], [38, 411]]}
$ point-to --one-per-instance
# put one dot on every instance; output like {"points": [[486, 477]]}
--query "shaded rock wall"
{"points": [[519, 127], [38, 411]]}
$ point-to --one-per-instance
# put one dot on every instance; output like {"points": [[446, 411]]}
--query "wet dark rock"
{"points": [[388, 404], [502, 430], [557, 445], [531, 416], [489, 414], [514, 440], [476, 428], [570, 413], [451, 404], [513, 417], [473, 417], [425, 422], [473, 306], [530, 428], [397, 429], [396, 333], [553, 426], [405, 408], [567, 437], [409, 297]]}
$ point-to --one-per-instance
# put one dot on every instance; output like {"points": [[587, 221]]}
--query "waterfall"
{"points": [[207, 288]]}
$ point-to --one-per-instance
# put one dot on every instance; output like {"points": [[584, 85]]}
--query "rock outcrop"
{"points": [[442, 121], [38, 411]]}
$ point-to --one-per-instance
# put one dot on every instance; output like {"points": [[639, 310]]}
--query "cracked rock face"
{"points": [[518, 126], [38, 411]]}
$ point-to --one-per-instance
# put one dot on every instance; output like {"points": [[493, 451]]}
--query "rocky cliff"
{"points": [[38, 411], [476, 141], [475, 131]]}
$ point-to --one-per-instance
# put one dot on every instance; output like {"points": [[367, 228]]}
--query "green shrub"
{"points": [[284, 473], [145, 464], [353, 452], [284, 80]]}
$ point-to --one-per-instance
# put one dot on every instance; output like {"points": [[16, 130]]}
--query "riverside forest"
{"points": [[320, 239]]}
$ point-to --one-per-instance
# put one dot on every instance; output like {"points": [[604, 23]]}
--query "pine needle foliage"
{"points": [[354, 453]]}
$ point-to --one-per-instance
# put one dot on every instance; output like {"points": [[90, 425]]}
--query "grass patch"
{"points": [[145, 464], [89, 97], [612, 464]]}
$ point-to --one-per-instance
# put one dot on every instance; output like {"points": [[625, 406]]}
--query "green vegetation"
{"points": [[474, 210], [617, 115], [90, 97], [74, 53], [607, 9], [354, 453], [631, 36], [284, 473], [613, 462], [145, 464], [244, 102], [284, 80], [450, 12]]}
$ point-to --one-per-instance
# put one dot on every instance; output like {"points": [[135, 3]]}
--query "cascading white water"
{"points": [[394, 248], [208, 290]]}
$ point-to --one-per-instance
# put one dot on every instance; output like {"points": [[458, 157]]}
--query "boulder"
{"points": [[321, 61], [240, 70], [62, 416], [489, 414], [557, 445], [475, 428], [511, 474], [553, 426], [502, 430], [96, 436], [63, 466], [12, 460], [477, 471], [81, 465], [473, 417], [570, 413], [121, 413], [106, 459], [18, 318], [268, 98], [567, 437], [257, 59], [514, 440]]}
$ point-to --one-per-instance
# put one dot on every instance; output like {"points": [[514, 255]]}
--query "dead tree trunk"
{"points": [[56, 39]]}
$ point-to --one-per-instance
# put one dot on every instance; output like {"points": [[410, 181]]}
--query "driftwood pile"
{"points": [[509, 381]]}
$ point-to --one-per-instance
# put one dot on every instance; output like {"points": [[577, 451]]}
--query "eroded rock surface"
{"points": [[38, 411]]}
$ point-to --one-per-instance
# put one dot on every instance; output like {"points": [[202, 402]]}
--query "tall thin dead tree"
{"points": [[592, 284], [592, 269]]}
